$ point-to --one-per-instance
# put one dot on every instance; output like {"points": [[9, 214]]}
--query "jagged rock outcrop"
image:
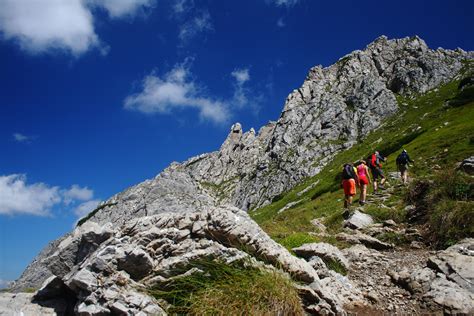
{"points": [[334, 108], [188, 210], [107, 269]]}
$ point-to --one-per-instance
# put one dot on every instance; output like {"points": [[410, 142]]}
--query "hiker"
{"points": [[349, 180], [364, 178], [376, 169], [403, 161]]}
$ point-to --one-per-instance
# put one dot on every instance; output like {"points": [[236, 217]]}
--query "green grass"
{"points": [[230, 289], [394, 238], [335, 266], [433, 134], [447, 198]]}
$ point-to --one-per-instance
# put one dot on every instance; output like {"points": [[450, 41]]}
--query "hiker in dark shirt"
{"points": [[403, 161], [375, 166]]}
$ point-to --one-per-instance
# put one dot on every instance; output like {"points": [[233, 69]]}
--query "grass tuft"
{"points": [[230, 289]]}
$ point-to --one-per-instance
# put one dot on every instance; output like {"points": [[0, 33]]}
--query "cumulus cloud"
{"points": [[18, 197], [198, 24], [77, 193], [85, 208], [176, 90], [40, 26]]}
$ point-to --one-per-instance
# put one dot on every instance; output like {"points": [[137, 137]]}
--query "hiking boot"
{"points": [[346, 214], [382, 187]]}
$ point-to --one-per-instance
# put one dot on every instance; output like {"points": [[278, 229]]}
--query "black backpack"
{"points": [[348, 172], [402, 159]]}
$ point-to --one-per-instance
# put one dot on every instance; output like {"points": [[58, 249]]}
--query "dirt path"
{"points": [[370, 273]]}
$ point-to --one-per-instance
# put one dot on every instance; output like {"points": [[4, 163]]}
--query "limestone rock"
{"points": [[154, 249], [467, 165], [358, 220], [323, 250], [366, 240], [21, 304], [447, 280]]}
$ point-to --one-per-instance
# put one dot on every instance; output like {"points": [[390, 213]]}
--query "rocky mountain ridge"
{"points": [[335, 107]]}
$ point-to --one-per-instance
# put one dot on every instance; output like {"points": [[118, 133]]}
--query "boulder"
{"points": [[328, 253], [366, 240], [358, 220], [467, 165]]}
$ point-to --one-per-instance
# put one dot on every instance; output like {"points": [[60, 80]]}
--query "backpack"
{"points": [[402, 159], [348, 172], [373, 161]]}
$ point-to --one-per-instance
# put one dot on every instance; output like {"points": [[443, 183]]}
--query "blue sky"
{"points": [[99, 95]]}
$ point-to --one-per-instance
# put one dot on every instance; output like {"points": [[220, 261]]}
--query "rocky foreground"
{"points": [[152, 232]]}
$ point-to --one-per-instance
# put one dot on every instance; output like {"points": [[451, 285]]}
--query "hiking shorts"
{"points": [[363, 180], [403, 168], [349, 187], [377, 173]]}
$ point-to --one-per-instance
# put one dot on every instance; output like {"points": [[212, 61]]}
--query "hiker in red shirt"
{"points": [[376, 169]]}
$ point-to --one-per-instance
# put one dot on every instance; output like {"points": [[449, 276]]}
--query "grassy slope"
{"points": [[431, 132]]}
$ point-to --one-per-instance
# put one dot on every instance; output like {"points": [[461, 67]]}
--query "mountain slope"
{"points": [[433, 133], [190, 208]]}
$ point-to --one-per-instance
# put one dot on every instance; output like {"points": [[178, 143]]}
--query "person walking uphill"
{"points": [[349, 178], [364, 179], [403, 161], [376, 169]]}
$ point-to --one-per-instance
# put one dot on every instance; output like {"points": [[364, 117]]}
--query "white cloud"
{"points": [[182, 6], [18, 197], [77, 193], [280, 3], [194, 26], [241, 93], [85, 208], [121, 8], [175, 91], [21, 138], [281, 22], [40, 26], [241, 75]]}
